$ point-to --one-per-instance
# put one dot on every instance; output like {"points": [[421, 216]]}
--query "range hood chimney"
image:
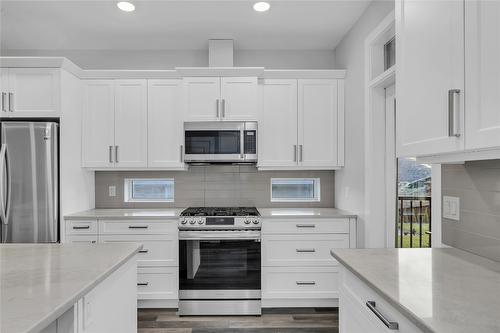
{"points": [[220, 53]]}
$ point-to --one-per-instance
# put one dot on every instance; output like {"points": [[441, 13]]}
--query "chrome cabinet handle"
{"points": [[305, 283], [110, 154], [452, 113], [301, 149], [295, 153], [182, 153], [223, 108], [143, 251], [81, 227], [305, 250], [3, 102], [305, 225], [11, 102], [217, 103], [116, 154], [138, 226], [392, 325], [142, 283]]}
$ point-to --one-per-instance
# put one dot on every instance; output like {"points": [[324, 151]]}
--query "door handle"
{"points": [[142, 283], [116, 154], [305, 250], [137, 226], [301, 149], [3, 102], [217, 104], [11, 102], [223, 108], [110, 154], [295, 153], [182, 153], [305, 283], [81, 227], [143, 251], [452, 113], [3, 215], [392, 325], [305, 225]]}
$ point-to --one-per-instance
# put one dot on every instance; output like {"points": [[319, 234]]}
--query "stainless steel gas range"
{"points": [[220, 261]]}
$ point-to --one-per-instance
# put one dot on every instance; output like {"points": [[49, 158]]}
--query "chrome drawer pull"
{"points": [[392, 325], [82, 227], [143, 251], [138, 226], [305, 250], [305, 283], [305, 225], [142, 283]]}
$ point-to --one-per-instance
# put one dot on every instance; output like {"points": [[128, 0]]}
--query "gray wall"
{"points": [[212, 186], [165, 59], [350, 54], [477, 184]]}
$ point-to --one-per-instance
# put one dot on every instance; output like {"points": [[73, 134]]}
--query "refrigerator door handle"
{"points": [[4, 201]]}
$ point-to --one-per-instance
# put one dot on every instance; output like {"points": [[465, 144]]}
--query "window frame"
{"points": [[315, 198], [127, 190]]}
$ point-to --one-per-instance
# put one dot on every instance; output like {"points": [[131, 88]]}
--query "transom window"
{"points": [[295, 189], [149, 190]]}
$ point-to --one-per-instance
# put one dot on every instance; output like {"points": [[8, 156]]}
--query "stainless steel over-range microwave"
{"points": [[220, 142]]}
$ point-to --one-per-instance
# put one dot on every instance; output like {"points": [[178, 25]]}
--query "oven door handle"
{"points": [[219, 235]]}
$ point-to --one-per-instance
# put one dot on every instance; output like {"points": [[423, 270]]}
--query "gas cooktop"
{"points": [[220, 211]]}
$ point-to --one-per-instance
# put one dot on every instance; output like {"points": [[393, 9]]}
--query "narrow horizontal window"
{"points": [[149, 190], [295, 189]]}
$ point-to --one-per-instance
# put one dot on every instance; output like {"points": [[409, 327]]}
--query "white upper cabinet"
{"points": [[165, 127], [202, 98], [131, 123], [318, 123], [4, 91], [482, 41], [278, 120], [239, 98], [31, 92], [98, 132], [430, 78], [219, 99]]}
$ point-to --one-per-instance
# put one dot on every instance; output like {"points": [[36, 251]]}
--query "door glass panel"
{"points": [[219, 265], [212, 142]]}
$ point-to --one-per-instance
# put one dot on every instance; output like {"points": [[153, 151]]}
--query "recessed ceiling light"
{"points": [[261, 6], [126, 6]]}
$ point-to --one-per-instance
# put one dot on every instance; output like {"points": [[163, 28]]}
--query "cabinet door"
{"points": [[318, 123], [202, 98], [4, 91], [239, 98], [165, 135], [35, 92], [430, 53], [278, 120], [98, 130], [131, 123], [482, 67]]}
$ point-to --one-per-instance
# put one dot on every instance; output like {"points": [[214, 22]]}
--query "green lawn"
{"points": [[416, 236]]}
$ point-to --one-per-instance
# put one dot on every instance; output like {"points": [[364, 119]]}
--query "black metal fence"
{"points": [[414, 227]]}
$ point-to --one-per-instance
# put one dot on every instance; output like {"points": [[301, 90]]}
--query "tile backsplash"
{"points": [[214, 185], [477, 184]]}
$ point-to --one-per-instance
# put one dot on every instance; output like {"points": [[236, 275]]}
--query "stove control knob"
{"points": [[192, 221], [247, 221], [184, 221], [200, 221], [255, 221]]}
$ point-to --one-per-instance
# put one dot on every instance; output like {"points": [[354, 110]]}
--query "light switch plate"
{"points": [[112, 191], [451, 208]]}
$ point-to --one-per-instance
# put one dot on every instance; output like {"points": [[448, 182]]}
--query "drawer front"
{"points": [[81, 227], [86, 239], [305, 226], [137, 227], [300, 282], [157, 283], [157, 250], [357, 293], [306, 250]]}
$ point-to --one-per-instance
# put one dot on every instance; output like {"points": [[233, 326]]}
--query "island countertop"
{"points": [[440, 290], [39, 282]]}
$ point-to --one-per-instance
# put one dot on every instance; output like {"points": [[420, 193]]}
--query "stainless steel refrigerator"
{"points": [[29, 182]]}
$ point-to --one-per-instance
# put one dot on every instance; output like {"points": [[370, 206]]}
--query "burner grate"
{"points": [[220, 211]]}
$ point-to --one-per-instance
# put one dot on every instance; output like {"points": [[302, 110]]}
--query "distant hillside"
{"points": [[410, 171]]}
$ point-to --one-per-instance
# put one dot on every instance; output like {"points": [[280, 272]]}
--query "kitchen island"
{"points": [[418, 290], [63, 287]]}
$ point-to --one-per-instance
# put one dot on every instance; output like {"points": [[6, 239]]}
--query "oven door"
{"points": [[214, 142], [219, 265]]}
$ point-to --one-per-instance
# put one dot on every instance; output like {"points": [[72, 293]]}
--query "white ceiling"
{"points": [[176, 25]]}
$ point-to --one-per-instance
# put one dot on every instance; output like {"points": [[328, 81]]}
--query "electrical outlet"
{"points": [[112, 191], [451, 208]]}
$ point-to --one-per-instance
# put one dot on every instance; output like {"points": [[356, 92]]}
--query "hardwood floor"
{"points": [[290, 320]]}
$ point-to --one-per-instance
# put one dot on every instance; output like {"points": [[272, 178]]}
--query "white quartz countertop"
{"points": [[175, 213], [39, 282], [439, 290]]}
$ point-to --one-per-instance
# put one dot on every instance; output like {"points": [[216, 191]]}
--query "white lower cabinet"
{"points": [[355, 315], [157, 261], [297, 267]]}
